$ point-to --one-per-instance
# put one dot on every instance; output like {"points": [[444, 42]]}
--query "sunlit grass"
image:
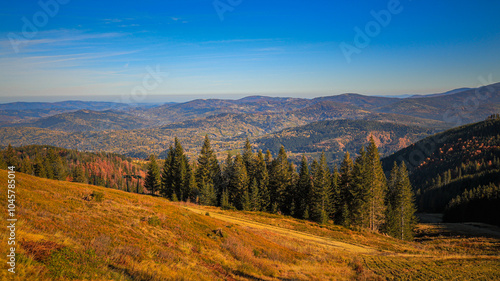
{"points": [[64, 233]]}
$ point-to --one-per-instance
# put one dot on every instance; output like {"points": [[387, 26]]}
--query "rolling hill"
{"points": [[336, 137], [88, 120], [459, 108], [447, 164], [78, 231]]}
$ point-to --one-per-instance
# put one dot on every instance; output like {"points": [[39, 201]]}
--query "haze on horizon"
{"points": [[181, 50]]}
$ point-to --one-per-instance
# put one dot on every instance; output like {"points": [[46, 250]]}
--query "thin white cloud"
{"points": [[57, 37]]}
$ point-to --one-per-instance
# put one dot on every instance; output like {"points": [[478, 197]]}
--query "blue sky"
{"points": [[98, 50]]}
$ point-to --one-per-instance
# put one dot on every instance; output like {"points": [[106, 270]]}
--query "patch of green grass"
{"points": [[98, 196]]}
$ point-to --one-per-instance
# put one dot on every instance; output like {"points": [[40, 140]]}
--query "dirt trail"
{"points": [[288, 232]]}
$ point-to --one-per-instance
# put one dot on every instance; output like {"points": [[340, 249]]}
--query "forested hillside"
{"points": [[337, 137], [88, 120], [357, 194], [460, 164], [103, 169]]}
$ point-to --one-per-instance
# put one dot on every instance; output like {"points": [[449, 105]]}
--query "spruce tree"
{"points": [[192, 189], [248, 159], [400, 213], [334, 193], [377, 187], [345, 196], [152, 182], [280, 180], [176, 174], [11, 157], [238, 184], [255, 199], [304, 190], [167, 178], [360, 195], [320, 195], [207, 174], [262, 178], [26, 166]]}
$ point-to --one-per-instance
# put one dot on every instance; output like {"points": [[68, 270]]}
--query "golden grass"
{"points": [[63, 234]]}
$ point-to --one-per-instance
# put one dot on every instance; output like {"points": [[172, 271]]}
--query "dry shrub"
{"points": [[40, 250]]}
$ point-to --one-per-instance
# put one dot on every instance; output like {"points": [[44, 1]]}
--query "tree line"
{"points": [[357, 194], [477, 204], [103, 169]]}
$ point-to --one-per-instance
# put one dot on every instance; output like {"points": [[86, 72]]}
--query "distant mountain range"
{"points": [[139, 130]]}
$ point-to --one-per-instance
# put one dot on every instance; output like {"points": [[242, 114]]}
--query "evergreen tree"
{"points": [[279, 181], [255, 199], [79, 174], [345, 196], [152, 182], [60, 171], [400, 213], [49, 169], [238, 184], [176, 174], [377, 187], [26, 166], [167, 177], [320, 195], [262, 178], [360, 195], [268, 159], [334, 193], [304, 190], [248, 159], [225, 204], [225, 177], [11, 157], [208, 174]]}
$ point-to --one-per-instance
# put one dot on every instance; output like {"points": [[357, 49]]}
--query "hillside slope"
{"points": [[77, 231], [88, 120], [444, 165], [336, 137]]}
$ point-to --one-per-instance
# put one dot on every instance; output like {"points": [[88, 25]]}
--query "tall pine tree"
{"points": [[152, 182], [280, 182], [320, 195], [345, 195], [377, 187], [400, 213], [304, 190], [208, 174]]}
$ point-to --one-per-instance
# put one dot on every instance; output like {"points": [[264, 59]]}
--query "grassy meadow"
{"points": [[71, 231]]}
